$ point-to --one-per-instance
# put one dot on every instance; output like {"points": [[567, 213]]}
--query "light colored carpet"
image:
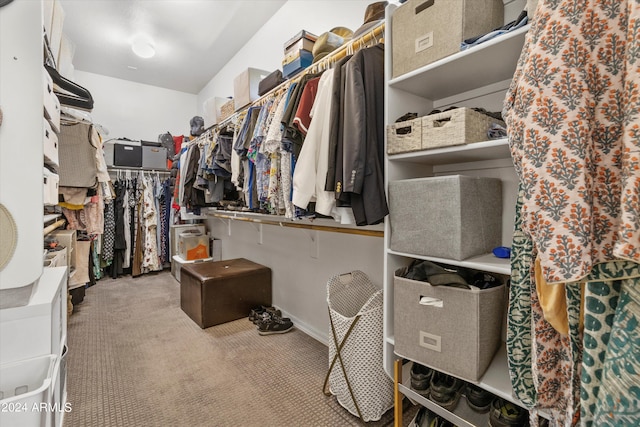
{"points": [[136, 359]]}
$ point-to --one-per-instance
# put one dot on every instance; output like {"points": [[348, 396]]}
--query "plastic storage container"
{"points": [[24, 386]]}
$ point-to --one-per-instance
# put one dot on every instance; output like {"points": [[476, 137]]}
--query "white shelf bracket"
{"points": [[227, 222]]}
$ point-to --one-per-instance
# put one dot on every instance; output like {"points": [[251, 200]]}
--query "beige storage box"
{"points": [[404, 137], [424, 31], [193, 245], [453, 330], [454, 217], [226, 110], [455, 127], [245, 87]]}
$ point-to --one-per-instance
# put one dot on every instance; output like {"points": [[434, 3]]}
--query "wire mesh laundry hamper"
{"points": [[356, 374]]}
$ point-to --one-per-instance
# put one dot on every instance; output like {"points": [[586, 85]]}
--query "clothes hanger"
{"points": [[75, 95]]}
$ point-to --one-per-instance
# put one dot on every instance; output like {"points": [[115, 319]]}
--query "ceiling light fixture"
{"points": [[143, 47]]}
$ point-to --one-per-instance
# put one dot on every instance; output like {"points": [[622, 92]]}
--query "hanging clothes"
{"points": [[363, 136], [573, 116], [573, 124], [310, 174]]}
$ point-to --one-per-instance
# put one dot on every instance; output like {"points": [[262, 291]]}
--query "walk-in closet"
{"points": [[406, 213]]}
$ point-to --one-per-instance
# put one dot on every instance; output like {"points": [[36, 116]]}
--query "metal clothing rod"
{"points": [[353, 46], [110, 169]]}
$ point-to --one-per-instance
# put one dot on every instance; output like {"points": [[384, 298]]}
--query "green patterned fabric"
{"points": [[610, 389], [519, 343], [619, 403], [598, 322]]}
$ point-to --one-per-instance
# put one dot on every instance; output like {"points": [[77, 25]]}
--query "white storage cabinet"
{"points": [[478, 77]]}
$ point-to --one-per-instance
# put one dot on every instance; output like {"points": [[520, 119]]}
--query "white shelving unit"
{"points": [[478, 77]]}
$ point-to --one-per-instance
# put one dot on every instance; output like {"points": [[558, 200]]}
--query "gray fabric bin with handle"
{"points": [[453, 330]]}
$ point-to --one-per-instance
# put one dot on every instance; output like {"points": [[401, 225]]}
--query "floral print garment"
{"points": [[573, 113]]}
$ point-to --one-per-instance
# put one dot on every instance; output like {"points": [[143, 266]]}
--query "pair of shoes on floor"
{"points": [[507, 414], [421, 378], [257, 313], [426, 418], [478, 398], [445, 390], [269, 321]]}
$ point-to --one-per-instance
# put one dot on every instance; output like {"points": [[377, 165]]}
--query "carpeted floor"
{"points": [[135, 359]]}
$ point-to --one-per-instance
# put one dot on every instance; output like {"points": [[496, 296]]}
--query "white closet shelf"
{"points": [[485, 262], [51, 217], [477, 151], [495, 380], [487, 63], [320, 224]]}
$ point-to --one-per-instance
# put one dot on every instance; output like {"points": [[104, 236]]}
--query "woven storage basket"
{"points": [[227, 109], [455, 127], [404, 137], [353, 298]]}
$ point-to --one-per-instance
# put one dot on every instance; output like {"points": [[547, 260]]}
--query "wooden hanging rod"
{"points": [[328, 228], [54, 226]]}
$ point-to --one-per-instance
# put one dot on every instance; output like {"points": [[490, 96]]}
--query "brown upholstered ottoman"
{"points": [[216, 292]]}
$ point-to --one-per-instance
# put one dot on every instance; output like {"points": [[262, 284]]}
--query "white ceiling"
{"points": [[193, 39]]}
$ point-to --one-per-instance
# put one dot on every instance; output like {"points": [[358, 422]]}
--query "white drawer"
{"points": [[50, 190], [51, 103], [50, 145], [37, 328]]}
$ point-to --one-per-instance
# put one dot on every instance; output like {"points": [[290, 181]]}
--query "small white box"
{"points": [[245, 87], [212, 108], [175, 230], [50, 145], [51, 102], [216, 249], [24, 385], [50, 190]]}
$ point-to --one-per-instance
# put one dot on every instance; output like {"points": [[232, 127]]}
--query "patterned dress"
{"points": [[573, 117]]}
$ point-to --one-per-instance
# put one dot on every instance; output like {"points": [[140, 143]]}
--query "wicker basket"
{"points": [[404, 137], [455, 127], [227, 109]]}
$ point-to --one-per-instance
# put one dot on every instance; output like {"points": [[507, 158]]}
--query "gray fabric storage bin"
{"points": [[424, 31], [459, 338], [154, 157], [454, 217]]}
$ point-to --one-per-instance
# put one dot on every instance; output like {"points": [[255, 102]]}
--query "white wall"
{"points": [[137, 111], [301, 262], [266, 49]]}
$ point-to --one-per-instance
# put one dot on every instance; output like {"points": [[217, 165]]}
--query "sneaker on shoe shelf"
{"points": [[275, 325], [427, 418], [478, 398], [445, 390], [507, 414], [421, 378]]}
